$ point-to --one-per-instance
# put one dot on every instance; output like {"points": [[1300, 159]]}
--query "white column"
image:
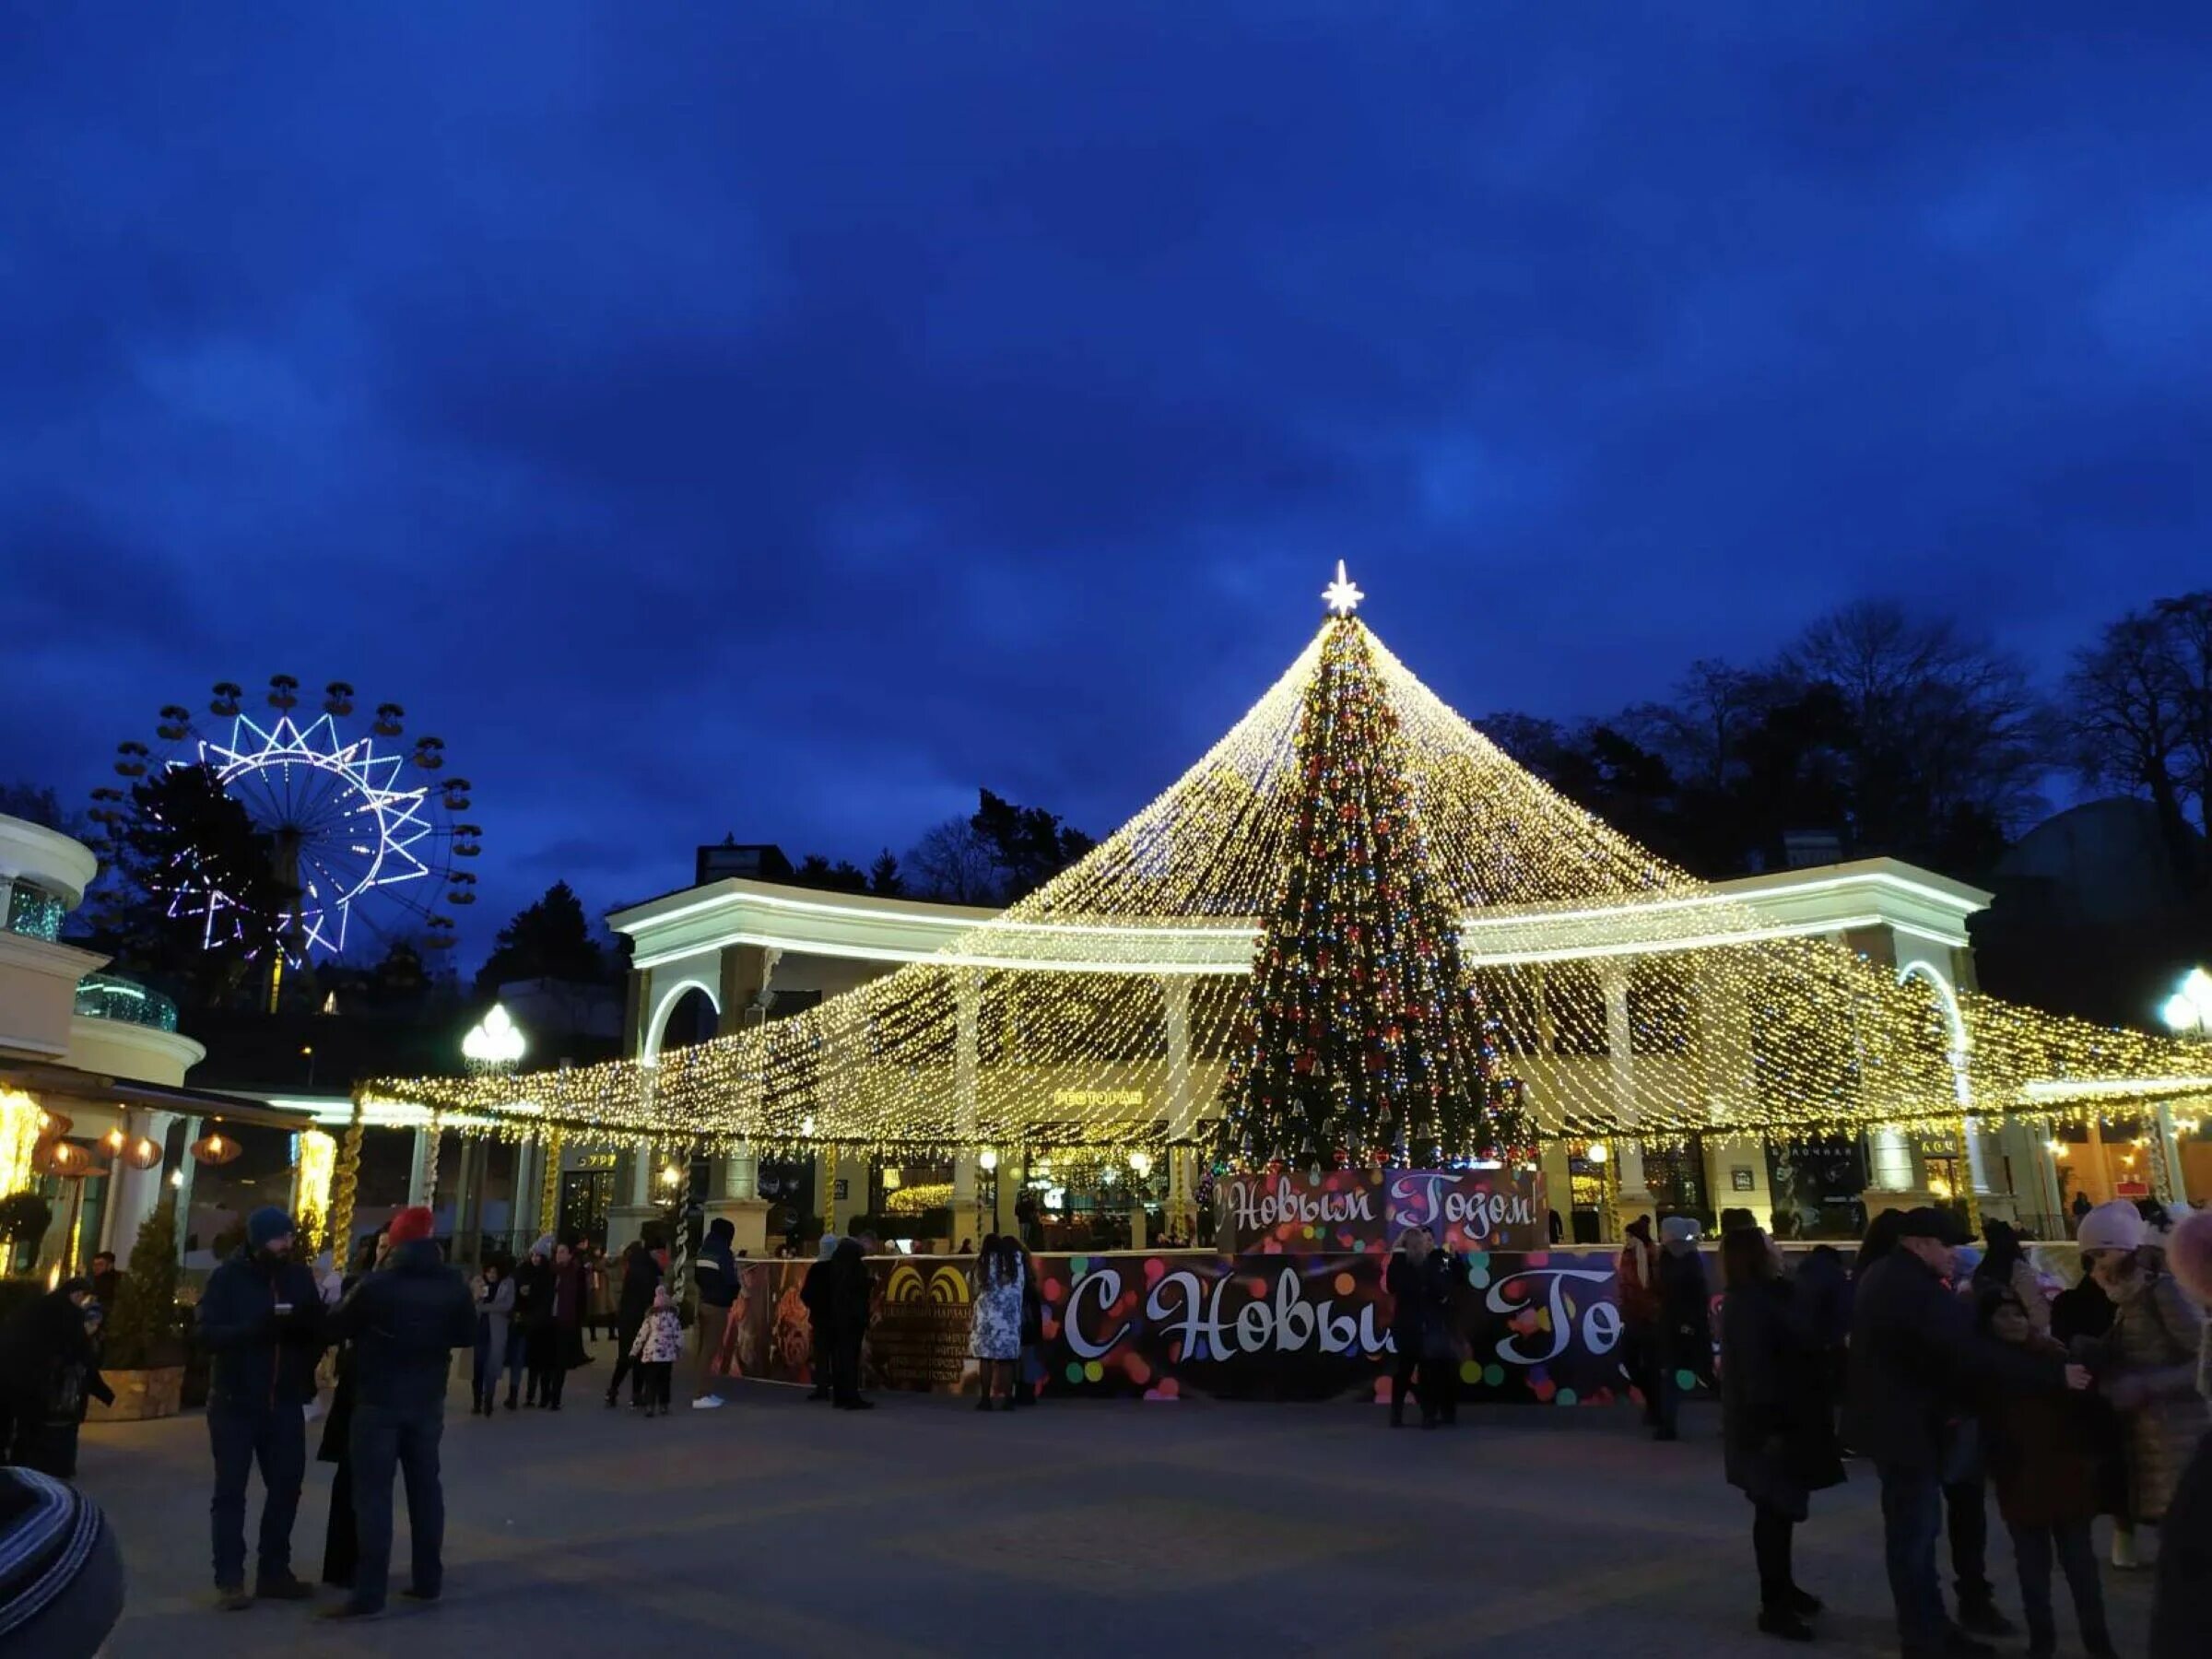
{"points": [[186, 1166], [1890, 1162], [1180, 1212], [967, 1081], [2172, 1188], [136, 1193], [1627, 1156], [422, 1171], [529, 1178]]}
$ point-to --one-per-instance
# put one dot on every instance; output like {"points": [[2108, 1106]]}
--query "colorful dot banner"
{"points": [[1539, 1327]]}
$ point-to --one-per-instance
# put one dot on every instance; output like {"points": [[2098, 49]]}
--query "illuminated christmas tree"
{"points": [[1360, 1038]]}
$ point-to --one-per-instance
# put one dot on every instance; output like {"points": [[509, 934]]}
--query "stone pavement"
{"points": [[777, 1527]]}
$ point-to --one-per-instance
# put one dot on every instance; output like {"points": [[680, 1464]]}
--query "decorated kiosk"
{"points": [[1353, 964]]}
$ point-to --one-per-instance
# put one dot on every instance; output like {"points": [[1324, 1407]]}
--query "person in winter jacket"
{"points": [[261, 1323], [568, 1306], [341, 1545], [1685, 1318], [1440, 1348], [640, 1277], [403, 1320], [1643, 1326], [1402, 1278], [47, 1367], [1029, 1368], [1777, 1419], [494, 1293], [2181, 1612], [850, 1305], [815, 1295], [659, 1341], [2006, 1263], [532, 1327], [2146, 1362], [1918, 1366], [2045, 1467], [716, 1271]]}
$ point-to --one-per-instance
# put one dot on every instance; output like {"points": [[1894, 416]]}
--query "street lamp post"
{"points": [[494, 1047], [2188, 1012]]}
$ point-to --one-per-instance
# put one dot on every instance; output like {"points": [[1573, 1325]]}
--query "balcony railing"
{"points": [[104, 996]]}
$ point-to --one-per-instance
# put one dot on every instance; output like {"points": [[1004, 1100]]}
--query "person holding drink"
{"points": [[261, 1323]]}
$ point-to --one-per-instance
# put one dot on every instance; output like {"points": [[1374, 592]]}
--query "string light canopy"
{"points": [[1102, 1010]]}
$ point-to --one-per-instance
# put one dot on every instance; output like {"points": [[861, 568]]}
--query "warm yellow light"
{"points": [[892, 1178], [21, 1123], [1141, 1162], [176, 1178], [2058, 1149], [1598, 1152], [988, 1158], [670, 1175], [1054, 1024], [318, 1163]]}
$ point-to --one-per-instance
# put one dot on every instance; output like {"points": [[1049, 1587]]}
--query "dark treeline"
{"points": [[1898, 734]]}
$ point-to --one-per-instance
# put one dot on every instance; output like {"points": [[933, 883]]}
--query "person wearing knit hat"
{"points": [[2181, 1612], [405, 1320], [2148, 1365], [2118, 1225], [261, 1323]]}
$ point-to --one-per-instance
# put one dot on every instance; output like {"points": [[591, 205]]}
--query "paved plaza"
{"points": [[776, 1527]]}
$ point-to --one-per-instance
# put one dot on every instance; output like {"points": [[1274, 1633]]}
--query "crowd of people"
{"points": [[1953, 1373]]}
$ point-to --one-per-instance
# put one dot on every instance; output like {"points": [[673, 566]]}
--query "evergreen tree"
{"points": [[142, 1326], [552, 939], [1362, 1038]]}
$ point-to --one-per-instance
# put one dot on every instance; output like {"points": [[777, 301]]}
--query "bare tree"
{"points": [[1948, 726], [953, 864], [1700, 734], [2139, 711]]}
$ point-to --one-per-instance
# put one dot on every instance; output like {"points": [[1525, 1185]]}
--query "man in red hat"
{"points": [[404, 1321]]}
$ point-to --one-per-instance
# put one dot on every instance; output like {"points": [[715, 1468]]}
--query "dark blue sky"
{"points": [[783, 417]]}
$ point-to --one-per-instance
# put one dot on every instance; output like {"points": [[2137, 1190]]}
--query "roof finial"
{"points": [[1340, 595]]}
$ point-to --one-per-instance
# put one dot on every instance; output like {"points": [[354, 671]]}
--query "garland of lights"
{"points": [[1573, 937]]}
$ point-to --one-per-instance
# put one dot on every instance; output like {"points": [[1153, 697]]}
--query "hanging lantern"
{"points": [[143, 1154], [64, 1158], [53, 1126], [215, 1147], [111, 1146]]}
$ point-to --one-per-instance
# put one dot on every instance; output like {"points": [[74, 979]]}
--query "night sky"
{"points": [[782, 418]]}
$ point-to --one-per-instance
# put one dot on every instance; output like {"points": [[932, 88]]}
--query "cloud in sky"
{"points": [[783, 418]]}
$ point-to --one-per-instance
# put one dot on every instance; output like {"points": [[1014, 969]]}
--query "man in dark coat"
{"points": [[814, 1296], [641, 1279], [107, 1281], [849, 1296], [260, 1325], [403, 1320], [47, 1367], [1918, 1366], [717, 1272], [1402, 1278]]}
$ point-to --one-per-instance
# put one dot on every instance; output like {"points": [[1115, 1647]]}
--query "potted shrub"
{"points": [[142, 1352]]}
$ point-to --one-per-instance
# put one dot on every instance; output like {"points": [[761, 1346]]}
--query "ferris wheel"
{"points": [[299, 829]]}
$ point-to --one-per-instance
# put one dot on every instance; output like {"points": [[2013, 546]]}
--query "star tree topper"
{"points": [[1341, 597]]}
